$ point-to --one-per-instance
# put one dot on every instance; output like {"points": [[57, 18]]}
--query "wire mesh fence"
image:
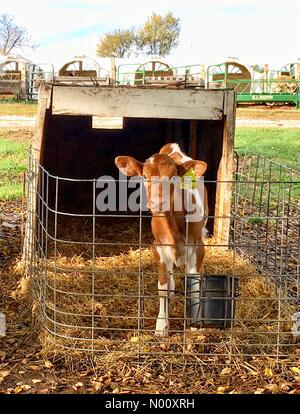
{"points": [[95, 276]]}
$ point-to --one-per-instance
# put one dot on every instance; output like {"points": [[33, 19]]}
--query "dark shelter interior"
{"points": [[72, 149]]}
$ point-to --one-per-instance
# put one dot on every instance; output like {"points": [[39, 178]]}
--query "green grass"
{"points": [[12, 166], [279, 144]]}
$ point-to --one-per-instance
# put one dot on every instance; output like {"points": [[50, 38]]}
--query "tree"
{"points": [[118, 43], [12, 36], [258, 68], [159, 35]]}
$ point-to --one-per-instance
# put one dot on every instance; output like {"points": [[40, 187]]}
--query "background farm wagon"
{"points": [[257, 85], [254, 84]]}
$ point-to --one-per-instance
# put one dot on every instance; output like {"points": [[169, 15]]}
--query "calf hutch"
{"points": [[93, 271]]}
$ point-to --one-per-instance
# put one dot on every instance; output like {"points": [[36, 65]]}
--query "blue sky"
{"points": [[256, 31]]}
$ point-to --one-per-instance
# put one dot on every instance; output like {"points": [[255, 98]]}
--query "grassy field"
{"points": [[12, 164], [281, 145]]}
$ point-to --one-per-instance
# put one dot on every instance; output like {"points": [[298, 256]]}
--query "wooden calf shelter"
{"points": [[67, 143]]}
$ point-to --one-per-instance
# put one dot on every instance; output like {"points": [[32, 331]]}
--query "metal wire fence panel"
{"points": [[95, 276]]}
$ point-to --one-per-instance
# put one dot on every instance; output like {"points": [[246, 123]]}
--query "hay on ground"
{"points": [[89, 300]]}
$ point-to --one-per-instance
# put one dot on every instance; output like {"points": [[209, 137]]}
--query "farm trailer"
{"points": [[269, 87]]}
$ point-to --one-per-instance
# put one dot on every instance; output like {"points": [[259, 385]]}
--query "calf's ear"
{"points": [[129, 165], [198, 166]]}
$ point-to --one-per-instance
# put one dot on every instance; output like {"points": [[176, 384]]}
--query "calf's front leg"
{"points": [[166, 287]]}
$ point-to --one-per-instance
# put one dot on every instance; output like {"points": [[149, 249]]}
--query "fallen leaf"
{"points": [[26, 387], [79, 384], [226, 371], [36, 381], [295, 370], [48, 364], [295, 391], [284, 386], [97, 385], [268, 372], [201, 338], [34, 367], [83, 374], [4, 373], [163, 346], [274, 388], [134, 339]]}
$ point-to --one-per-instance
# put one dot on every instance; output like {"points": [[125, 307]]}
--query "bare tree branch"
{"points": [[12, 36]]}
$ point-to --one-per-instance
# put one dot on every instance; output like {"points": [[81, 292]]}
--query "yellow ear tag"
{"points": [[189, 180]]}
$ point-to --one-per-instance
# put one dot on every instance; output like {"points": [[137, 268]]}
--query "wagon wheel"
{"points": [[154, 68], [10, 71], [233, 71], [78, 68], [10, 67]]}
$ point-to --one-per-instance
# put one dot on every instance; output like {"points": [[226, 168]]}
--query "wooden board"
{"points": [[29, 235], [138, 102], [225, 174]]}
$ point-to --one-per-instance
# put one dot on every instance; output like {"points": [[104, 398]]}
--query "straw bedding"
{"points": [[95, 303]]}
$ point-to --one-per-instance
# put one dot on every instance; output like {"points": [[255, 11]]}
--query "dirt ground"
{"points": [[24, 367], [270, 112]]}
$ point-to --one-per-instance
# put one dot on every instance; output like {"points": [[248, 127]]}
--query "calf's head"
{"points": [[158, 172]]}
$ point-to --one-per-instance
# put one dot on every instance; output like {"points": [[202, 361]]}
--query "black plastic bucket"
{"points": [[211, 300]]}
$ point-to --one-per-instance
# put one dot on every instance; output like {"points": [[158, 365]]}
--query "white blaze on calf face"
{"points": [[159, 194]]}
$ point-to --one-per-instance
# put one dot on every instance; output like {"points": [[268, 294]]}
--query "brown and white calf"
{"points": [[177, 232]]}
